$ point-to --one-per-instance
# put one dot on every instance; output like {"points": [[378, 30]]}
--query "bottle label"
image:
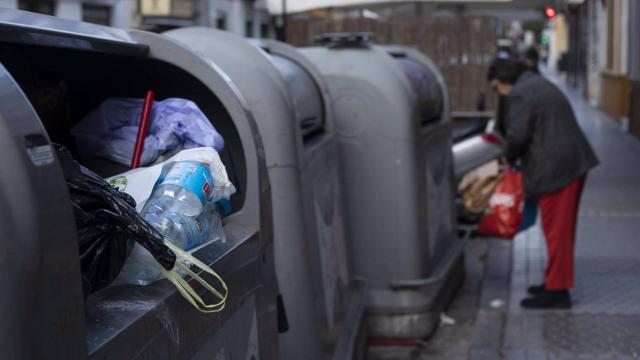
{"points": [[191, 176]]}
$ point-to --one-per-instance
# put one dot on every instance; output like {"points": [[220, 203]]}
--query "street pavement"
{"points": [[604, 322]]}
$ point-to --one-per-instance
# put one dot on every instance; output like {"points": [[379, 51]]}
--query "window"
{"points": [[38, 6], [265, 31], [221, 21], [248, 28], [97, 14]]}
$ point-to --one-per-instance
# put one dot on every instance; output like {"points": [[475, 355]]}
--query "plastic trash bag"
{"points": [[110, 130], [107, 226], [139, 182], [506, 207], [140, 269], [102, 252]]}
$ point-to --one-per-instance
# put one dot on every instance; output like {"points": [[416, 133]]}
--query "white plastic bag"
{"points": [[110, 130], [141, 268], [139, 182]]}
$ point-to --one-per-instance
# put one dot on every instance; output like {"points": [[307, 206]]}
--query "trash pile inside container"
{"points": [[56, 74], [142, 226]]}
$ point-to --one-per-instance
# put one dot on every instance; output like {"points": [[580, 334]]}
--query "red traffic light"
{"points": [[550, 12]]}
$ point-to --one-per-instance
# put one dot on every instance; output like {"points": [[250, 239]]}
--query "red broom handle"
{"points": [[143, 128]]}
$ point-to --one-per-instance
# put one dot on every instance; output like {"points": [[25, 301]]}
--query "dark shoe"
{"points": [[559, 299], [536, 289]]}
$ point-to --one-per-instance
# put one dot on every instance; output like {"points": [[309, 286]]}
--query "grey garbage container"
{"points": [[53, 72], [267, 96], [391, 112], [341, 297], [294, 118]]}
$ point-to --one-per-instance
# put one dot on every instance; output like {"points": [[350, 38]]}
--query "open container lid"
{"points": [[427, 81]]}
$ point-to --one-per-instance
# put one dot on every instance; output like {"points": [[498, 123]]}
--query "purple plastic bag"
{"points": [[109, 131]]}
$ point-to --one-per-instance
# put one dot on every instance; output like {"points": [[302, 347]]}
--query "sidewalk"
{"points": [[605, 320]]}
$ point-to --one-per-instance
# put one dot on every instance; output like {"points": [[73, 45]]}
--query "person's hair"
{"points": [[505, 70], [531, 58]]}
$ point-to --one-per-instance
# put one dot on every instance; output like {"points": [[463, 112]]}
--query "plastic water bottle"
{"points": [[180, 206]]}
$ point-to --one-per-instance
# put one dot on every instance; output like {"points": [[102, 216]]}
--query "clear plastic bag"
{"points": [[140, 268], [110, 130], [139, 182]]}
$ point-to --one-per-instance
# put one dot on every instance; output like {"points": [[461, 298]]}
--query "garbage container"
{"points": [[392, 122], [266, 92], [341, 300], [53, 73], [294, 118]]}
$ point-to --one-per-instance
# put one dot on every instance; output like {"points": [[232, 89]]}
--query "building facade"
{"points": [[248, 18], [607, 48], [615, 73], [118, 13], [558, 35], [634, 67]]}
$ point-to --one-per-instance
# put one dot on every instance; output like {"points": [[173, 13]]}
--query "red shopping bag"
{"points": [[506, 207]]}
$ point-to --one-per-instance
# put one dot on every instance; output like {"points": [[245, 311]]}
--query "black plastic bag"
{"points": [[107, 226]]}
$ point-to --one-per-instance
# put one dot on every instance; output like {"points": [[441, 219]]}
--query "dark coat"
{"points": [[541, 130]]}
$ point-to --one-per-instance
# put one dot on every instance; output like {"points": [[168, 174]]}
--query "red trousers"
{"points": [[559, 213]]}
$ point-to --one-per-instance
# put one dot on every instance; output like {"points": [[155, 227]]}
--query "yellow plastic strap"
{"points": [[186, 290], [190, 294]]}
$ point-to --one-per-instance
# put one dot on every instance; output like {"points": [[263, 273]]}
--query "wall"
{"points": [[614, 98], [66, 9], [123, 12], [634, 68], [11, 4], [558, 41], [615, 94], [634, 41], [69, 9], [262, 17], [238, 13], [595, 51], [461, 46]]}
